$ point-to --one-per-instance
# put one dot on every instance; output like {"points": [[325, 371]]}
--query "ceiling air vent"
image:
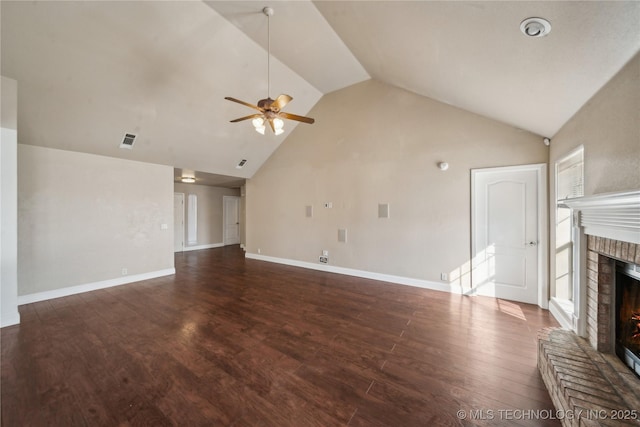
{"points": [[128, 141], [241, 164]]}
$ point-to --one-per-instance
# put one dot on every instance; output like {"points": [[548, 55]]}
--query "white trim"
{"points": [[192, 219], [182, 225], [197, 248], [543, 247], [578, 149], [72, 290], [543, 230], [225, 200], [577, 318], [10, 320], [611, 215], [408, 281], [560, 314]]}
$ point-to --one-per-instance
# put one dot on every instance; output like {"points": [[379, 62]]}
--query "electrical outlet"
{"points": [[124, 272], [259, 250], [325, 253], [324, 259], [444, 277]]}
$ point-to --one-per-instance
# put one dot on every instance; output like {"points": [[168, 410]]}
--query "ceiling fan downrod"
{"points": [[269, 110], [269, 12]]}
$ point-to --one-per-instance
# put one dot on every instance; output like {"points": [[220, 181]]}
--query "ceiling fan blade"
{"points": [[280, 102], [295, 117], [243, 103], [253, 116]]}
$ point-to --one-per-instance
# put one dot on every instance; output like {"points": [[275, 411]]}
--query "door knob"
{"points": [[532, 244]]}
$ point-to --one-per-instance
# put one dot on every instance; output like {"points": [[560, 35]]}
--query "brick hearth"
{"points": [[593, 387], [584, 375]]}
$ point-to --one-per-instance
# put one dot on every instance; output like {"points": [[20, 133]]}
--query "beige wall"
{"points": [[608, 127], [209, 211], [83, 218], [371, 144]]}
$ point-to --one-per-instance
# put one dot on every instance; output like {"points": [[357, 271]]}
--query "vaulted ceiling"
{"points": [[89, 72]]}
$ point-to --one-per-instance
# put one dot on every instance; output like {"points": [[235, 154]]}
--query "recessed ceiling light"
{"points": [[535, 27], [188, 179]]}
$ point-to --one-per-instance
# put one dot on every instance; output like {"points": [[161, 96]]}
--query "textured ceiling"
{"points": [[473, 55], [89, 72]]}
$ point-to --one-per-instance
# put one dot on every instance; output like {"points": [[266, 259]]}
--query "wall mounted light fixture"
{"points": [[443, 166]]}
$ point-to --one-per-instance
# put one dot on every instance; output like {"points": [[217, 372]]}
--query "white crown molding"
{"points": [[72, 290], [612, 215]]}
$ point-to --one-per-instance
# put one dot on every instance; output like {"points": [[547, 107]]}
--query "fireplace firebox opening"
{"points": [[627, 315]]}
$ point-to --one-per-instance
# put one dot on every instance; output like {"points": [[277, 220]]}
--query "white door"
{"points": [[507, 234], [178, 222], [231, 219]]}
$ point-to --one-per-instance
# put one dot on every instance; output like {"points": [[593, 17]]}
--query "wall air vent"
{"points": [[241, 164], [128, 141]]}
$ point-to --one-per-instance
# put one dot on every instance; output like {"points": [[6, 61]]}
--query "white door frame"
{"points": [[543, 214], [225, 200], [175, 219]]}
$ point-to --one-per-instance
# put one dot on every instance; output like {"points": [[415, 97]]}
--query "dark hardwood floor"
{"points": [[235, 342]]}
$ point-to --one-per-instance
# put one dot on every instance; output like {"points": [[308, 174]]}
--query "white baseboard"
{"points": [[560, 315], [9, 320], [72, 290], [197, 248], [408, 281]]}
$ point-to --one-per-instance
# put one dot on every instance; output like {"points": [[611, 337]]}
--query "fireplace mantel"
{"points": [[612, 215]]}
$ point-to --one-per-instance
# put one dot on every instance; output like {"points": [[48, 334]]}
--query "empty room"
{"points": [[320, 213]]}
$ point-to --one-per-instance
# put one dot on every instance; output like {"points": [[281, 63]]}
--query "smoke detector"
{"points": [[535, 27]]}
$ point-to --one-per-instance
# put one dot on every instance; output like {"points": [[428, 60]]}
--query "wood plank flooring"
{"points": [[235, 342]]}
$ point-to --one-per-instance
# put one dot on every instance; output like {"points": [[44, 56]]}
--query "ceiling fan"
{"points": [[270, 110]]}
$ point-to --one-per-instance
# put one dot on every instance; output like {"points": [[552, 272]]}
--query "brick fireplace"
{"points": [[602, 254], [581, 370]]}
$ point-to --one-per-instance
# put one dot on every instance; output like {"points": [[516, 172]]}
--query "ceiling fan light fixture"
{"points": [[269, 109], [188, 179], [278, 124]]}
